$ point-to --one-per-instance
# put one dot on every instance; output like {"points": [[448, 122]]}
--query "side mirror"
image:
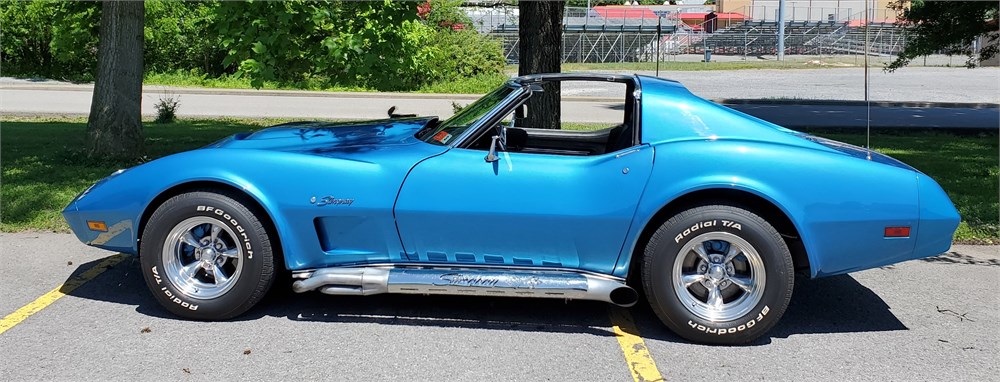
{"points": [[492, 155]]}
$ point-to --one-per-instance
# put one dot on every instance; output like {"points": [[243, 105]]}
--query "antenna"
{"points": [[868, 103]]}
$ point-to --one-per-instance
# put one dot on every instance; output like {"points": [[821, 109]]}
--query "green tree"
{"points": [[179, 35], [58, 39], [52, 39], [21, 42], [459, 50], [374, 44], [950, 27]]}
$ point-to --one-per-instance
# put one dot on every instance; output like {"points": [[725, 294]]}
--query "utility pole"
{"points": [[659, 37], [659, 41], [781, 30]]}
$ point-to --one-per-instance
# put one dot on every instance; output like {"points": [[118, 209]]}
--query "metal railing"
{"points": [[798, 13], [505, 18], [629, 35]]}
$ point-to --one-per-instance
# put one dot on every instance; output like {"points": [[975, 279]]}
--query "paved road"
{"points": [[930, 84], [61, 99], [827, 116], [924, 84], [933, 319]]}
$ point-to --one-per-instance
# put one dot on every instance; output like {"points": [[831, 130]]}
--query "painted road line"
{"points": [[47, 299], [640, 363]]}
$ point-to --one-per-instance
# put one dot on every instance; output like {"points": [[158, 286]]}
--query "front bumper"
{"points": [[100, 204]]}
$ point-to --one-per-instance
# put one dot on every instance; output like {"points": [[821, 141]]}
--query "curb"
{"points": [[251, 92], [285, 93], [825, 102]]}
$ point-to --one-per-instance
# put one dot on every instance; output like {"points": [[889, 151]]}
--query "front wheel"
{"points": [[718, 274], [206, 255]]}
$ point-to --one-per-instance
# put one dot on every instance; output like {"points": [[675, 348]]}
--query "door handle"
{"points": [[632, 151]]}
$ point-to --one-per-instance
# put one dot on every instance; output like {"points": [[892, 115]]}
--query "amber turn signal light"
{"points": [[97, 226]]}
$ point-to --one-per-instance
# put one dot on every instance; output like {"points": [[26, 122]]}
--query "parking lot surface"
{"points": [[931, 319]]}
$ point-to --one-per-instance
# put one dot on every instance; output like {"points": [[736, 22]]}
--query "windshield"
{"points": [[458, 123]]}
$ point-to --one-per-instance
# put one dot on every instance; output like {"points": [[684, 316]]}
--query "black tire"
{"points": [[707, 224], [242, 249]]}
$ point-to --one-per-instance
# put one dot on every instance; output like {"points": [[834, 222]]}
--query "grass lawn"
{"points": [[485, 83], [472, 85], [42, 168]]}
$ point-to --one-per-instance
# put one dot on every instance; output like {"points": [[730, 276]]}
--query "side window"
{"points": [[595, 118]]}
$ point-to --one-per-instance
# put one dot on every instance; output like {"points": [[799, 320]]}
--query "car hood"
{"points": [[330, 137]]}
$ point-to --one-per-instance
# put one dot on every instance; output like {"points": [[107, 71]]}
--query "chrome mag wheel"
{"points": [[202, 258], [719, 277]]}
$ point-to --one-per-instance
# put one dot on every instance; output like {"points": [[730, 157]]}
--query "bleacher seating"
{"points": [[801, 37], [761, 37], [884, 39]]}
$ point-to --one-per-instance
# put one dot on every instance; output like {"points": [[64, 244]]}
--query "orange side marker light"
{"points": [[97, 226]]}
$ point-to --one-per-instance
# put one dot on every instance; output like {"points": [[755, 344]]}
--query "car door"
{"points": [[525, 209]]}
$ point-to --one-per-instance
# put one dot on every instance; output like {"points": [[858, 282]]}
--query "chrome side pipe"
{"points": [[475, 282]]}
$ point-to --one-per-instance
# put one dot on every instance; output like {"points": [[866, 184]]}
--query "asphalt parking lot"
{"points": [[932, 319]]}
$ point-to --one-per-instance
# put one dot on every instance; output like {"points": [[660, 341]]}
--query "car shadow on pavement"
{"points": [[836, 304], [490, 313], [958, 258]]}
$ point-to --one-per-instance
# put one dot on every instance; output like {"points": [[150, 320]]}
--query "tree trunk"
{"points": [[114, 129], [540, 51]]}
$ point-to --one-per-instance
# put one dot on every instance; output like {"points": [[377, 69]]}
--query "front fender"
{"points": [[123, 199], [283, 183]]}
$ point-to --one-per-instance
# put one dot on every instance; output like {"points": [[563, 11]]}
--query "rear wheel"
{"points": [[206, 255], [718, 274]]}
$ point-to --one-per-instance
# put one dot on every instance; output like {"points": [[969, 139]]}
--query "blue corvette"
{"points": [[708, 212]]}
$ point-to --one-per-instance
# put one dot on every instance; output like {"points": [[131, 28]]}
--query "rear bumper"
{"points": [[938, 219], [858, 242]]}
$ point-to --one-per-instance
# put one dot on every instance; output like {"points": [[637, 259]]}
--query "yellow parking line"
{"points": [[47, 299], [640, 363]]}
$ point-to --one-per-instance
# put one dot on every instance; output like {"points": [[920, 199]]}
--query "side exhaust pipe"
{"points": [[512, 283]]}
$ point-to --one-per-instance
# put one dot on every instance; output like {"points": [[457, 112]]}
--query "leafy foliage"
{"points": [[465, 53], [178, 36], [74, 39], [948, 26], [376, 44], [20, 40], [444, 14], [295, 44], [49, 38], [59, 38]]}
